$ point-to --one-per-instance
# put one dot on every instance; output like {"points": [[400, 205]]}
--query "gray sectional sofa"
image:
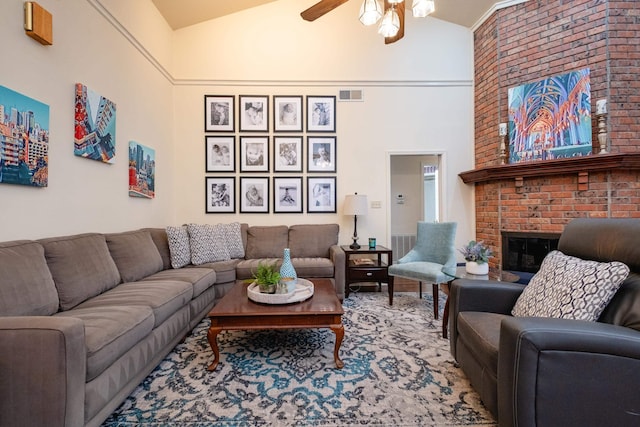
{"points": [[85, 318]]}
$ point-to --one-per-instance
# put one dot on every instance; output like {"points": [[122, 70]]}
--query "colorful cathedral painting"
{"points": [[550, 118]]}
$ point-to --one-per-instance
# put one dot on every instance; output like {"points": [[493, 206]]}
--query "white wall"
{"points": [[85, 195], [418, 96]]}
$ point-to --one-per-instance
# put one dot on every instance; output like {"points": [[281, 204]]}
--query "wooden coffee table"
{"points": [[236, 311]]}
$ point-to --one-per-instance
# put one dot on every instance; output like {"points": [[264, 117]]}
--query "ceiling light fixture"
{"points": [[370, 12], [390, 24], [422, 8]]}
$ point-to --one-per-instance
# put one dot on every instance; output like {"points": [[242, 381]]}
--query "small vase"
{"points": [[481, 269], [287, 272]]}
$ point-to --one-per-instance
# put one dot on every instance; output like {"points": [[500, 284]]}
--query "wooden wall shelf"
{"points": [[579, 165]]}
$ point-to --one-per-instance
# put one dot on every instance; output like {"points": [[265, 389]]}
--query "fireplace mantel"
{"points": [[580, 165]]}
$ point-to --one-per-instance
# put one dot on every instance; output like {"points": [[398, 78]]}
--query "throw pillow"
{"points": [[207, 243], [179, 249], [567, 287], [234, 240]]}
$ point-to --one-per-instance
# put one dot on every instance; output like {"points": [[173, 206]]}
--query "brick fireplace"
{"points": [[537, 39]]}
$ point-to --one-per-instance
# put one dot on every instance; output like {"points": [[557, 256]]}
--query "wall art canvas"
{"points": [[142, 170], [95, 125], [551, 118], [24, 140]]}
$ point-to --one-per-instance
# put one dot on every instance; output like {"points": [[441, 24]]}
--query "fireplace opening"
{"points": [[523, 252]]}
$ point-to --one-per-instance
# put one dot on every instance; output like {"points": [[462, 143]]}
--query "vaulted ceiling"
{"points": [[183, 13]]}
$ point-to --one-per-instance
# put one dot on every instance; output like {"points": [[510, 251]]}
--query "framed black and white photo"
{"points": [[287, 154], [321, 194], [321, 154], [220, 194], [287, 113], [287, 194], [321, 113], [220, 153], [218, 113], [254, 113], [254, 194], [254, 154]]}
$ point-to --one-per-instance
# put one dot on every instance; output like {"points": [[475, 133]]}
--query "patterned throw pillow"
{"points": [[179, 249], [234, 240], [207, 243], [567, 287]]}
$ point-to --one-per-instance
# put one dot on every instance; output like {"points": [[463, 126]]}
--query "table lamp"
{"points": [[355, 204]]}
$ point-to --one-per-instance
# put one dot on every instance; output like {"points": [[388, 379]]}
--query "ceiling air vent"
{"points": [[350, 95]]}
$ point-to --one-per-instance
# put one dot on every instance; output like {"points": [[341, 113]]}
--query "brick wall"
{"points": [[541, 38]]}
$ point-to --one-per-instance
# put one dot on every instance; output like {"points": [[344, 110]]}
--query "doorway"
{"points": [[415, 195]]}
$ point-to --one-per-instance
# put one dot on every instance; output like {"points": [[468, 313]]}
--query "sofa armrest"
{"points": [[490, 296], [567, 372], [42, 371], [337, 256]]}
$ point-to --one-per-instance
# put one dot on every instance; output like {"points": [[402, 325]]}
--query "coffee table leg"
{"points": [[212, 336], [339, 331]]}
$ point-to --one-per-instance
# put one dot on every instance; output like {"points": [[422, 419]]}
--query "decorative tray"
{"points": [[303, 291]]}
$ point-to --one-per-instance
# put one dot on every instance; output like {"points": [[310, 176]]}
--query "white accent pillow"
{"points": [[179, 249], [207, 243], [233, 238], [567, 287]]}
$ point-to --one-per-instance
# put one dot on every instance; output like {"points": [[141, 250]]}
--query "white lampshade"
{"points": [[355, 204], [390, 24], [422, 8], [370, 12], [395, 1]]}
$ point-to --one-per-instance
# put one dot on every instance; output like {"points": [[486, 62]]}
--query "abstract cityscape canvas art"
{"points": [[142, 170], [24, 140], [551, 118], [95, 125]]}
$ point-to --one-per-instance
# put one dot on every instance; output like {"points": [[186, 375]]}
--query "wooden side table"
{"points": [[377, 271], [461, 273]]}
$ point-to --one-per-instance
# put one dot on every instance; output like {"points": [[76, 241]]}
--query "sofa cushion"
{"points": [[26, 285], [200, 278], [159, 237], [481, 332], [225, 270], [247, 267], [178, 238], [81, 267], [207, 243], [567, 287], [233, 238], [308, 240], [135, 254], [313, 267], [266, 241], [110, 332], [164, 297]]}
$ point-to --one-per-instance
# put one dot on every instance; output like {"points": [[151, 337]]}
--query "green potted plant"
{"points": [[477, 255], [267, 277]]}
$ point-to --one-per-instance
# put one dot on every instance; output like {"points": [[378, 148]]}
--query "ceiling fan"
{"points": [[392, 25]]}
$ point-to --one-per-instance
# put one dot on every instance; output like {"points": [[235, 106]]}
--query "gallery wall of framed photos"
{"points": [[270, 153]]}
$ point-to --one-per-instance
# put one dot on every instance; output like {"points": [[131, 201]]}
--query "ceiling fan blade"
{"points": [[400, 10], [320, 8]]}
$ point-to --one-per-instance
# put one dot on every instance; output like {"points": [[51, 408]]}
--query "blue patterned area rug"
{"points": [[397, 372]]}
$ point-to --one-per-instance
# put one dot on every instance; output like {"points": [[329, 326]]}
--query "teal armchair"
{"points": [[433, 254]]}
